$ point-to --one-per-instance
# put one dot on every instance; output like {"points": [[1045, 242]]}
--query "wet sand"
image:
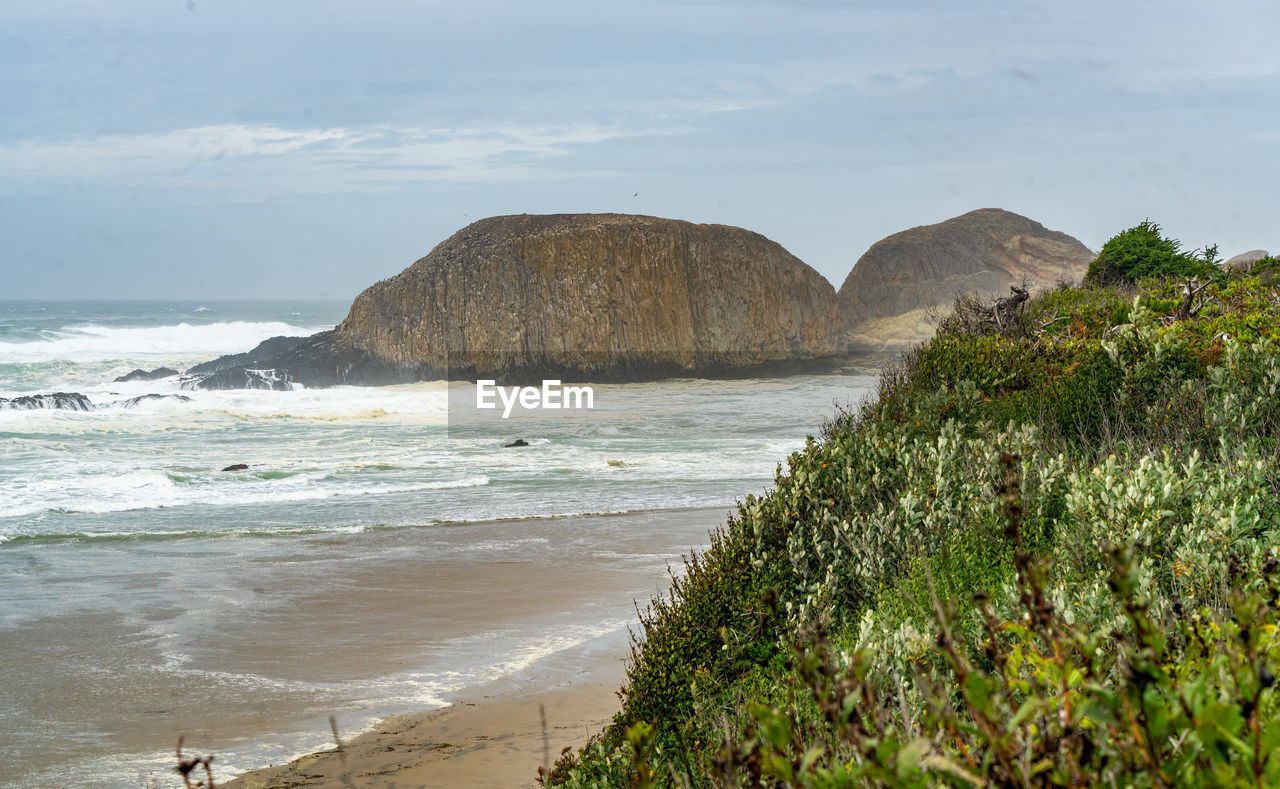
{"points": [[246, 647], [493, 736]]}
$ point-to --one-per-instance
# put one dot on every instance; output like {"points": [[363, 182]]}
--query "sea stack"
{"points": [[885, 301], [601, 297]]}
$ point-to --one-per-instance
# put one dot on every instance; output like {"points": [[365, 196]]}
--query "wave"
{"points": [[90, 342], [154, 535], [149, 489], [161, 535], [70, 411]]}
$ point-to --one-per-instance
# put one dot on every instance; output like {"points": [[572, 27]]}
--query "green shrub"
{"points": [[1038, 700], [709, 622], [1141, 251]]}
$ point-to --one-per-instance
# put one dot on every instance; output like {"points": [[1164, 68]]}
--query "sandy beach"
{"points": [[441, 641], [493, 736]]}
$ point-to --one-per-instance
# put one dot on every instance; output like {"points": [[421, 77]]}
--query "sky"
{"points": [[304, 149]]}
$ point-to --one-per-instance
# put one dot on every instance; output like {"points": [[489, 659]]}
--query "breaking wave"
{"points": [[91, 342]]}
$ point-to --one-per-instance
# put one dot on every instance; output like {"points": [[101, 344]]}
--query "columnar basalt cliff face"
{"points": [[596, 296], [885, 299], [606, 295]]}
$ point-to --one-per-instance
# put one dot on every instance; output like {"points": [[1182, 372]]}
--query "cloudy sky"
{"points": [[304, 149]]}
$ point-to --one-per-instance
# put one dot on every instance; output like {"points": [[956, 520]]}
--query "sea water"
{"points": [[365, 563]]}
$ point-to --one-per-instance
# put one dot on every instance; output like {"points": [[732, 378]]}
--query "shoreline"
{"points": [[462, 630], [491, 735]]}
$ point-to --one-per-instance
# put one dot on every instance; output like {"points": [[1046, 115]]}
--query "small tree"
{"points": [[1142, 251]]}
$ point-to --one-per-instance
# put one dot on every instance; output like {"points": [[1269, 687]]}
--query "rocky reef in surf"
{"points": [[74, 401], [133, 402], [886, 299], [61, 401], [589, 296], [146, 375], [323, 359]]}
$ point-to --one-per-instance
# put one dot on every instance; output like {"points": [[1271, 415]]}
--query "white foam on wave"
{"points": [[335, 404], [149, 488], [420, 403], [90, 342]]}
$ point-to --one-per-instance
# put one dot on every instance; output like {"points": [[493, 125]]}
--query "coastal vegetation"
{"points": [[1143, 251], [1047, 553]]}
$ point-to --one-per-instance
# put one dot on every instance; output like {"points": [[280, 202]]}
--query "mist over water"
{"points": [[134, 569]]}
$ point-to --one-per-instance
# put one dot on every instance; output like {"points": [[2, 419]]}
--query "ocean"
{"points": [[364, 563]]}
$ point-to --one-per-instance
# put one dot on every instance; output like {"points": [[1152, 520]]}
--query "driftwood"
{"points": [[976, 316], [1006, 310], [1193, 300]]}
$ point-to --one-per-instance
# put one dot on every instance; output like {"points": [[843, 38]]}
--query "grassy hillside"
{"points": [[1044, 555]]}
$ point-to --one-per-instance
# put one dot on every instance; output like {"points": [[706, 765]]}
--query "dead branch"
{"points": [[1192, 300], [1006, 309], [1047, 323], [972, 315], [186, 766]]}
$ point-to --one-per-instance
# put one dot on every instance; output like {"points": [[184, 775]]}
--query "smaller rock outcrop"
{"points": [[74, 401], [146, 375], [135, 401], [1245, 260], [260, 356], [886, 301], [61, 401], [237, 467], [253, 369], [519, 442], [242, 378], [277, 363]]}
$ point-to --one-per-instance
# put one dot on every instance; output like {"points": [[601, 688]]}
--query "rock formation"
{"points": [[74, 401], [1245, 260], [574, 296], [62, 401], [134, 402], [146, 375], [886, 299]]}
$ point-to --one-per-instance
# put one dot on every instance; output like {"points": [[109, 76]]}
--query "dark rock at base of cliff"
{"points": [[146, 375], [632, 367], [61, 401], [261, 356], [237, 467], [317, 360], [519, 442], [253, 369], [243, 378]]}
